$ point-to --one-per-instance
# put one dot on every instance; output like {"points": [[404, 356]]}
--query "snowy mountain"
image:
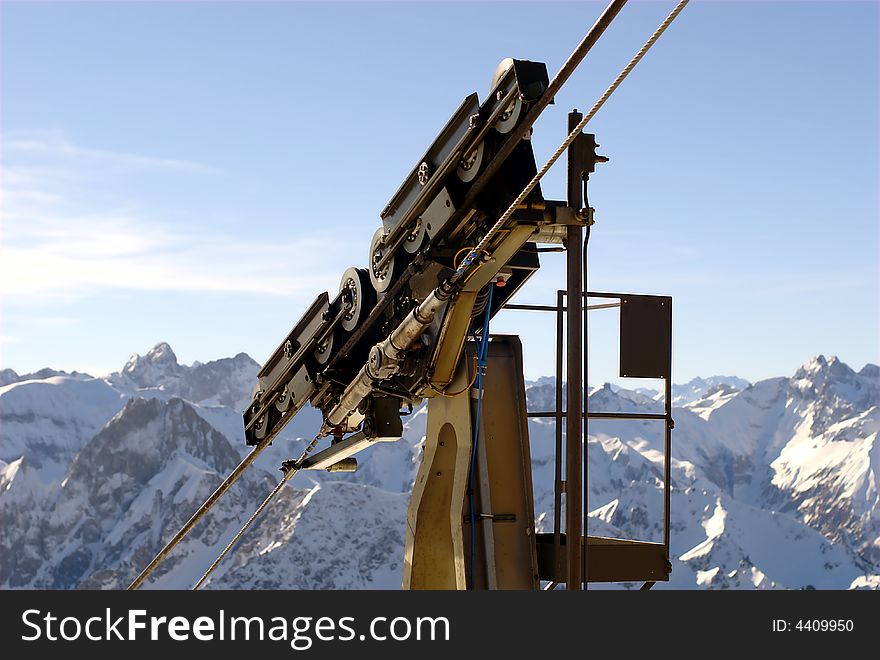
{"points": [[227, 382], [698, 389], [8, 376], [775, 484]]}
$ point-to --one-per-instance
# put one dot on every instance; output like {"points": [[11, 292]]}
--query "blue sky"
{"points": [[197, 173]]}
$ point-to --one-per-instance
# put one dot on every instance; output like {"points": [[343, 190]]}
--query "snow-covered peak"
{"points": [[821, 373], [541, 395], [828, 390], [162, 352], [712, 400], [699, 388], [609, 398], [224, 382], [7, 376], [822, 367], [156, 366], [48, 421], [145, 434]]}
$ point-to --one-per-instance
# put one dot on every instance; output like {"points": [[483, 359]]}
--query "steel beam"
{"points": [[574, 376]]}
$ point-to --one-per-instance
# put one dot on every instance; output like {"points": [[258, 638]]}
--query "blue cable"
{"points": [[482, 357]]}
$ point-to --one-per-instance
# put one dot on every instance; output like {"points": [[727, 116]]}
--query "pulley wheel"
{"points": [[282, 403], [511, 113], [503, 67], [380, 277], [469, 165], [509, 117], [357, 281], [261, 427], [324, 350], [416, 237]]}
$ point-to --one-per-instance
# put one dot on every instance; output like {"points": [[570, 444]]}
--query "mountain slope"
{"points": [[774, 483]]}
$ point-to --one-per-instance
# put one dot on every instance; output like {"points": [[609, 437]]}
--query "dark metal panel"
{"points": [[611, 560], [302, 332], [645, 336], [437, 154]]}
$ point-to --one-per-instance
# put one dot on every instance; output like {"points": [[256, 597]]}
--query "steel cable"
{"points": [[284, 479], [568, 140], [496, 228]]}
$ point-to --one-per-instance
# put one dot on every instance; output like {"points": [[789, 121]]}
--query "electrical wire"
{"points": [[480, 372], [458, 254], [462, 390]]}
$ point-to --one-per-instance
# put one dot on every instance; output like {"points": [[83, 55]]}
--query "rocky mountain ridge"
{"points": [[774, 483]]}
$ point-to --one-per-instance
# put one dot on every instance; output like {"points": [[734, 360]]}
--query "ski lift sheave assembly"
{"points": [[457, 241]]}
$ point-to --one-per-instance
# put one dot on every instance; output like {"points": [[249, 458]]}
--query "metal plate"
{"points": [[310, 323], [437, 213], [645, 336], [438, 153], [301, 387]]}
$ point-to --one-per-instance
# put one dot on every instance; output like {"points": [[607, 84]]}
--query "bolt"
{"points": [[423, 174]]}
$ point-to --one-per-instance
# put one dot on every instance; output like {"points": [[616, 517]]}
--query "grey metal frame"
{"points": [[629, 559]]}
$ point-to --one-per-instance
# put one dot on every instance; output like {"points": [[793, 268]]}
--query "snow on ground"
{"points": [[775, 484]]}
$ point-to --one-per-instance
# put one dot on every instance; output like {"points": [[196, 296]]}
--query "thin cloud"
{"points": [[54, 147], [51, 250], [63, 255]]}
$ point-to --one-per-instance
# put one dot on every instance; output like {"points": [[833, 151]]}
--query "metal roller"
{"points": [[416, 237], [380, 277], [261, 427], [470, 164], [357, 281], [511, 113], [324, 350], [283, 401]]}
